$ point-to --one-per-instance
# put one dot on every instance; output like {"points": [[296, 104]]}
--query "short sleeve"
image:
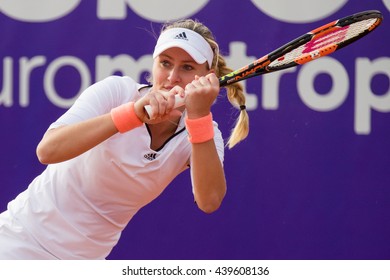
{"points": [[219, 143], [99, 99]]}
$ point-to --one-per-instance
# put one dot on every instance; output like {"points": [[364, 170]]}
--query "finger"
{"points": [[177, 90], [154, 106], [170, 102], [157, 101], [213, 79], [197, 83], [162, 104], [176, 94], [204, 81], [189, 87]]}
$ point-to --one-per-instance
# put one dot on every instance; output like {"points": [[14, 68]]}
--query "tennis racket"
{"points": [[317, 43]]}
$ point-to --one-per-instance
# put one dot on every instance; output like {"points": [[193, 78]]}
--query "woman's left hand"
{"points": [[200, 95]]}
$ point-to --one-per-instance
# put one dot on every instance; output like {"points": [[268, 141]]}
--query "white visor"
{"points": [[190, 41]]}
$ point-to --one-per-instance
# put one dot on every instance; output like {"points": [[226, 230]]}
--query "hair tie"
{"points": [[242, 107]]}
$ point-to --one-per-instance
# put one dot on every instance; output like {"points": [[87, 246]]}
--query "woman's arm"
{"points": [[88, 128], [208, 177], [66, 142]]}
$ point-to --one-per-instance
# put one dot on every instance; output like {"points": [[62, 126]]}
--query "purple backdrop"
{"points": [[312, 180]]}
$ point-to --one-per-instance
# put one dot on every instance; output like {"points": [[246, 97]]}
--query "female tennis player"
{"points": [[107, 157]]}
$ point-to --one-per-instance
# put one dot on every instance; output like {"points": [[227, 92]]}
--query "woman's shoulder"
{"points": [[119, 87], [124, 81]]}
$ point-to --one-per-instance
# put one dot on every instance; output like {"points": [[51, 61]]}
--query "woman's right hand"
{"points": [[162, 105]]}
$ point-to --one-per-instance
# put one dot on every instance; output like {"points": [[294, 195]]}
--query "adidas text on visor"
{"points": [[190, 41]]}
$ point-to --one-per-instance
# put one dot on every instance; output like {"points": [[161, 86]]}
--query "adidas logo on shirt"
{"points": [[151, 156], [182, 36]]}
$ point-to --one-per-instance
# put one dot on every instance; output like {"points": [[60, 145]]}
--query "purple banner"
{"points": [[312, 180]]}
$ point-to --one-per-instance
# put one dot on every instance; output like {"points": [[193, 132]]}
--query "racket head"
{"points": [[317, 43]]}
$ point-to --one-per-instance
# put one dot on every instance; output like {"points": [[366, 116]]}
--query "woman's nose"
{"points": [[174, 76]]}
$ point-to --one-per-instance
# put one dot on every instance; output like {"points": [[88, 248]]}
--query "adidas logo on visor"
{"points": [[181, 35], [190, 41]]}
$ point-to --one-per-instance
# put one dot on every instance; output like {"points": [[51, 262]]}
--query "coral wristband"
{"points": [[200, 130], [125, 118]]}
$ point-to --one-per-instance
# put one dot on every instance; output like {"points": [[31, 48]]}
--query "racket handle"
{"points": [[179, 101]]}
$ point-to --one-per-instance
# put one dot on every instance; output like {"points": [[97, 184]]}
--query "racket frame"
{"points": [[261, 65]]}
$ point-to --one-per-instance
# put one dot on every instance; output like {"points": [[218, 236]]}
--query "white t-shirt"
{"points": [[77, 209]]}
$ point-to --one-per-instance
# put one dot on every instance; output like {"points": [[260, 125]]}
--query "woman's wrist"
{"points": [[201, 129], [125, 118]]}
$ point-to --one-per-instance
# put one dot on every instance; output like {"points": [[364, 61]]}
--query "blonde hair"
{"points": [[235, 92]]}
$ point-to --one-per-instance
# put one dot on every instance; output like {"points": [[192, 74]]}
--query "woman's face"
{"points": [[175, 67]]}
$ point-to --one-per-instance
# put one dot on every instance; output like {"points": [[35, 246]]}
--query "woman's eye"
{"points": [[165, 63], [188, 67]]}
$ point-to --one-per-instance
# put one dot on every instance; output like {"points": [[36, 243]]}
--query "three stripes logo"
{"points": [[151, 156], [182, 36]]}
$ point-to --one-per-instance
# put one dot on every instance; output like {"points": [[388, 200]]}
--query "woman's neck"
{"points": [[161, 132]]}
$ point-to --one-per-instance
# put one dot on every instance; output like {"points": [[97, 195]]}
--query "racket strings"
{"points": [[335, 36]]}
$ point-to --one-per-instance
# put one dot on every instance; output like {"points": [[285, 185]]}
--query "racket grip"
{"points": [[179, 101]]}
